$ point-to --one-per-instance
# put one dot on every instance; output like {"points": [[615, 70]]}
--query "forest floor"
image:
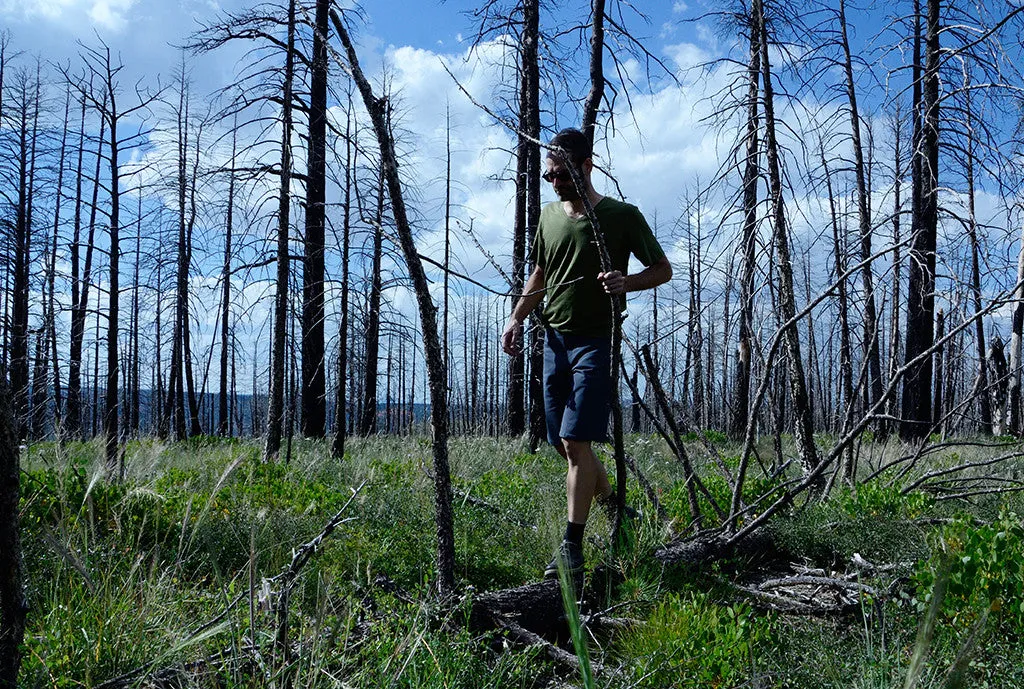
{"points": [[172, 576]]}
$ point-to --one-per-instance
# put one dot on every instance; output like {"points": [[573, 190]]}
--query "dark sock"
{"points": [[574, 532]]}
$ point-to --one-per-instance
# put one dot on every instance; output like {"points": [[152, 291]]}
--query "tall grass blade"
{"points": [[572, 616], [927, 628]]}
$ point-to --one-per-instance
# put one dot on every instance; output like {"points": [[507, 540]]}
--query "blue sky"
{"points": [[663, 145], [413, 40]]}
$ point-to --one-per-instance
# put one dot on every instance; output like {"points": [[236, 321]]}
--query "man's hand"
{"points": [[510, 338], [614, 282]]}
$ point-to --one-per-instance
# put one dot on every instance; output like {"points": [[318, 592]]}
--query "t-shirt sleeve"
{"points": [[537, 249], [642, 242]]}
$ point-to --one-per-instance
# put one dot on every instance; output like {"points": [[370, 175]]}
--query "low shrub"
{"points": [[690, 641]]}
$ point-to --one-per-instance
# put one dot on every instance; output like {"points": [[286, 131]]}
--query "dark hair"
{"points": [[575, 145]]}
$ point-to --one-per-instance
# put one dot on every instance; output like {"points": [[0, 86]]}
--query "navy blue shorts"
{"points": [[577, 387]]}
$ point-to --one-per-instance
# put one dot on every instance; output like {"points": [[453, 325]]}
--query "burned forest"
{"points": [[257, 427]]}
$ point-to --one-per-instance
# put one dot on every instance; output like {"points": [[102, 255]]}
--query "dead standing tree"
{"points": [[527, 217], [13, 605], [81, 270], [524, 16], [787, 297], [437, 376], [864, 225], [22, 152], [275, 405], [182, 405], [104, 70], [751, 173], [314, 375], [224, 425], [917, 401], [276, 84]]}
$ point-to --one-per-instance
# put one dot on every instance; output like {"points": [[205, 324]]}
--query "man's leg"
{"points": [[579, 387], [585, 479]]}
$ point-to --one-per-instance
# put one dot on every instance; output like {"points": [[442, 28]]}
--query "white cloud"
{"points": [[687, 55], [102, 14], [110, 14]]}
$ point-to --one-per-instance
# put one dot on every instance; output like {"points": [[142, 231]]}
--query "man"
{"points": [[578, 315]]}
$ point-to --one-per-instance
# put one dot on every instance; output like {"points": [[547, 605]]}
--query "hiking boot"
{"points": [[571, 556]]}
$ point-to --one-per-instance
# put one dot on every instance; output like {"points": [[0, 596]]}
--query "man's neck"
{"points": [[577, 208]]}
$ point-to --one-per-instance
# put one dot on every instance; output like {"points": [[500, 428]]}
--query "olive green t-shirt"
{"points": [[564, 248]]}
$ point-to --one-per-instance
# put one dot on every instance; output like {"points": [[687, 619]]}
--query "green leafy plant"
{"points": [[986, 570], [690, 642]]}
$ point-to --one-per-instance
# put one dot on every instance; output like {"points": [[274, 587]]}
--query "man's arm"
{"points": [[658, 273], [532, 296]]}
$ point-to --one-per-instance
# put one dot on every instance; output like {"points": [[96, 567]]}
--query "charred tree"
{"points": [[26, 110], [341, 424], [525, 149], [872, 351], [13, 604], [275, 403], [748, 264], [223, 407], [377, 109], [1017, 347], [314, 375], [371, 358], [917, 402], [105, 71], [804, 429], [982, 383], [81, 273]]}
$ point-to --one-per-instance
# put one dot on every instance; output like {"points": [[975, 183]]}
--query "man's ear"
{"points": [[588, 166]]}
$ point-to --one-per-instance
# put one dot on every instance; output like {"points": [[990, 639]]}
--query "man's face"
{"points": [[561, 181]]}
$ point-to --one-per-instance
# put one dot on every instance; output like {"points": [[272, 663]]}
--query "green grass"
{"points": [[121, 574]]}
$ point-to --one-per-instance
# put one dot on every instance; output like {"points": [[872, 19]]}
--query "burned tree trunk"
{"points": [[872, 351], [340, 415], [13, 605], [111, 416], [751, 172], [533, 164], [26, 108], [939, 407], [917, 402], [524, 150], [104, 69], [81, 279], [377, 108], [223, 408], [787, 298], [371, 359], [845, 348], [988, 424], [596, 94], [892, 401], [275, 405], [1017, 347], [314, 379]]}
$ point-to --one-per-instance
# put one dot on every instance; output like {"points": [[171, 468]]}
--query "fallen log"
{"points": [[535, 607], [709, 546]]}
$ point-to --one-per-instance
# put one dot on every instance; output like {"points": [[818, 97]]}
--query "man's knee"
{"points": [[577, 451]]}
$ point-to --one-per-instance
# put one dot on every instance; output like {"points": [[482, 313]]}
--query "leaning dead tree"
{"points": [[435, 360]]}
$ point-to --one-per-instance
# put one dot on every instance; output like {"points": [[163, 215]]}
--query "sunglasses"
{"points": [[561, 176]]}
